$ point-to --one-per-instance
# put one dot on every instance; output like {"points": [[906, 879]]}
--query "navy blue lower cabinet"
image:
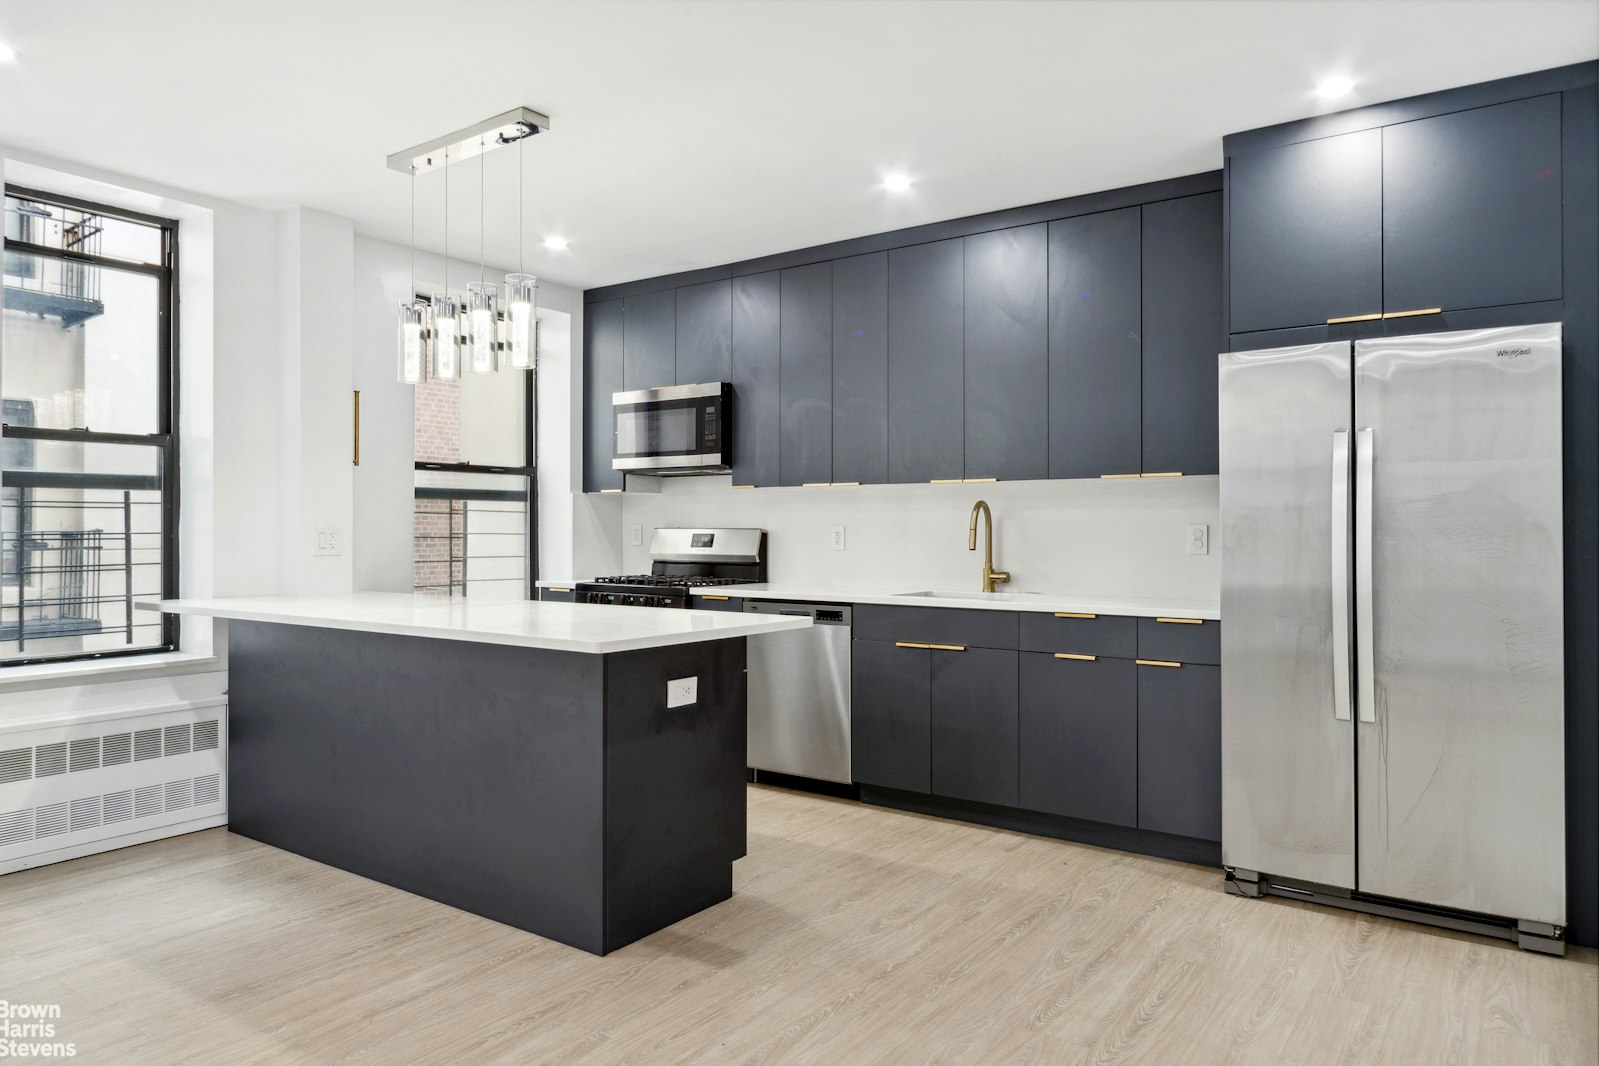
{"points": [[1179, 749], [890, 715], [1079, 736], [557, 595], [974, 717], [717, 603]]}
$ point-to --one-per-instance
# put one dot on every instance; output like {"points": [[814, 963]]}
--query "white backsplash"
{"points": [[1111, 537]]}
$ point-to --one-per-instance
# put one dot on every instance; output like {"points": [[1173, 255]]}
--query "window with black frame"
{"points": [[88, 452]]}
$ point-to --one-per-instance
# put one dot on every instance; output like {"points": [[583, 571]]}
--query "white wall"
{"points": [[1112, 537]]}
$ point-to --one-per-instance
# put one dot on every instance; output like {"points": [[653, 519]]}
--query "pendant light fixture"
{"points": [[413, 315], [446, 311], [521, 290], [482, 321]]}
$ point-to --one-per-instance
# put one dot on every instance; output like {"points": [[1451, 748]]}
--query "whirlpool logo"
{"points": [[1513, 353]]}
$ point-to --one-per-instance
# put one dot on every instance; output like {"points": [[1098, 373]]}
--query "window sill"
{"points": [[92, 670]]}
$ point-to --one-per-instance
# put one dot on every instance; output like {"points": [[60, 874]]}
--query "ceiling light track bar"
{"points": [[477, 139]]}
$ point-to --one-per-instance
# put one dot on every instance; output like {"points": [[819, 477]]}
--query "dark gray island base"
{"points": [[553, 791]]}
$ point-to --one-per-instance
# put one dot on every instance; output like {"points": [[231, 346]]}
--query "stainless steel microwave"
{"points": [[679, 429]]}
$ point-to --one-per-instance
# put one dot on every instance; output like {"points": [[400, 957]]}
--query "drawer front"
{"points": [[717, 603], [937, 625], [1104, 634], [1180, 641], [557, 595]]}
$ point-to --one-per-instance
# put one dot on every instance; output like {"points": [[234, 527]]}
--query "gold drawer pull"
{"points": [[1164, 473], [1183, 621], [552, 588], [946, 481], [845, 484], [911, 644], [1074, 614], [816, 485], [1156, 662], [741, 486], [1081, 658], [1114, 477], [978, 480], [1354, 318], [714, 597], [945, 647], [1413, 314], [610, 490]]}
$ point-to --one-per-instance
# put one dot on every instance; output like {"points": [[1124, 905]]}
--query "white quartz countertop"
{"points": [[592, 628]]}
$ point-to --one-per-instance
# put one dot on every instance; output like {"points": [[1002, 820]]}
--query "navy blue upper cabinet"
{"points": [[1182, 328], [926, 424], [1007, 354], [650, 350], [1305, 228], [1471, 207], [603, 327], [756, 312], [1094, 345], [805, 378], [705, 333], [860, 368]]}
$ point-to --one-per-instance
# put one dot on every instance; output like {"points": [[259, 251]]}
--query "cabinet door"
{"points": [[860, 368], [603, 331], [805, 390], [1471, 207], [974, 725], [1007, 354], [889, 715], [1305, 232], [756, 308], [650, 355], [926, 424], [549, 595], [1179, 750], [1095, 408], [1079, 737], [1182, 333], [705, 333]]}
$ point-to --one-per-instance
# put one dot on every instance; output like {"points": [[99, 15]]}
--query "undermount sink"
{"points": [[935, 594]]}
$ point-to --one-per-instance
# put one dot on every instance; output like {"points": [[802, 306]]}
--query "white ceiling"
{"points": [[687, 134]]}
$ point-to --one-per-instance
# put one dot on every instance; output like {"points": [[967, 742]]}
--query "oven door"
{"points": [[681, 428]]}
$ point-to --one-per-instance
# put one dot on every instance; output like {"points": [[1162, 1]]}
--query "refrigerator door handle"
{"points": [[1340, 574], [1365, 644]]}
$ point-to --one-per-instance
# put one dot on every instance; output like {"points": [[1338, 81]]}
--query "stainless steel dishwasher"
{"points": [[799, 693]]}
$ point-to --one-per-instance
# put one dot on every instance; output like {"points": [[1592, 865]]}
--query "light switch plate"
{"points": [[329, 541], [682, 691], [1198, 540], [636, 534], [838, 538]]}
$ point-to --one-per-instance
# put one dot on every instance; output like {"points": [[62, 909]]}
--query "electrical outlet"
{"points": [[329, 541], [682, 691], [1198, 540], [838, 538], [636, 534]]}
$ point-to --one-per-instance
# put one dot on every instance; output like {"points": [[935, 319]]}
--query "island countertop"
{"points": [[595, 629]]}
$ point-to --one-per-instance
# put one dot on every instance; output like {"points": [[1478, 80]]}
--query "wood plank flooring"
{"points": [[855, 935]]}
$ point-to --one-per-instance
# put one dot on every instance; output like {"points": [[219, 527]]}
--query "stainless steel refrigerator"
{"points": [[1392, 644]]}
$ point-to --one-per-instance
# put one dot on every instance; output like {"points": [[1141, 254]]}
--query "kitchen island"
{"points": [[573, 770]]}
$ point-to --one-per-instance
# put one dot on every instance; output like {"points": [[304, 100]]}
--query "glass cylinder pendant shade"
{"points": [[482, 327], [446, 337], [521, 300], [412, 349]]}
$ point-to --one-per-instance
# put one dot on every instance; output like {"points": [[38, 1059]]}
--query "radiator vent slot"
{"points": [[205, 735], [50, 820], [116, 749], [85, 754], [146, 745], [15, 827], [86, 813], [147, 801], [179, 795], [118, 806], [50, 759], [16, 765], [207, 789], [177, 742]]}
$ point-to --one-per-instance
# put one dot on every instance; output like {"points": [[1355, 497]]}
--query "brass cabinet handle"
{"points": [[355, 459], [945, 647], [911, 644], [714, 597], [1113, 477], [1413, 314], [1072, 655], [1164, 473], [1183, 621], [1156, 662], [844, 484], [552, 588], [1074, 614], [816, 484], [610, 490], [978, 480], [946, 481], [741, 486], [1374, 316]]}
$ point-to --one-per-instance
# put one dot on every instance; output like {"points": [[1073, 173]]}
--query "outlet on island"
{"points": [[682, 691]]}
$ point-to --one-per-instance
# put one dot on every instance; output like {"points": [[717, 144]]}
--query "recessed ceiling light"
{"points": [[7, 53], [1334, 87], [556, 243], [896, 182]]}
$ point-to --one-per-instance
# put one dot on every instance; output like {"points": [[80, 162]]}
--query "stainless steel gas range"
{"points": [[682, 560]]}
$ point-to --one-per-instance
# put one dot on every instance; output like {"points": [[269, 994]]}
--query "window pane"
{"points": [[80, 540], [76, 230], [471, 535], [480, 419], [82, 345]]}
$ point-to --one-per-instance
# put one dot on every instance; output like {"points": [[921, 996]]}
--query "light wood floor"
{"points": [[856, 935]]}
